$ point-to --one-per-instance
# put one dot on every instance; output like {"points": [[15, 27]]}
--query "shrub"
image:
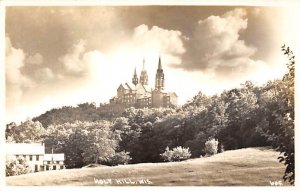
{"points": [[211, 146], [177, 154], [167, 155], [16, 166], [119, 158]]}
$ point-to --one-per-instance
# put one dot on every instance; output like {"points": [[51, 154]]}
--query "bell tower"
{"points": [[135, 79], [144, 75], [160, 77]]}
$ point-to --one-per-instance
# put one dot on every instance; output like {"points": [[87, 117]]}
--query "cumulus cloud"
{"points": [[44, 74], [161, 41], [28, 80], [36, 59], [95, 63], [24, 73], [80, 62], [72, 61], [15, 80], [216, 47]]}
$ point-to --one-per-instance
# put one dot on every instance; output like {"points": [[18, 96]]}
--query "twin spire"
{"points": [[143, 77], [159, 81], [143, 65]]}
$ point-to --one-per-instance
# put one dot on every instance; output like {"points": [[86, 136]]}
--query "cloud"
{"points": [[16, 82], [72, 61], [216, 47], [36, 59], [24, 73], [82, 63], [160, 41], [44, 74], [29, 83], [97, 67]]}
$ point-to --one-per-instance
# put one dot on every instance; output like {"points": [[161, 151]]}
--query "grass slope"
{"points": [[244, 167]]}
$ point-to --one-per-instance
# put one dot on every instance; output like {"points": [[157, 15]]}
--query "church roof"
{"points": [[121, 86], [130, 86], [147, 88]]}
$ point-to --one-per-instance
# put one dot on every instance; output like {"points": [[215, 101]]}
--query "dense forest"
{"points": [[248, 116], [83, 112]]}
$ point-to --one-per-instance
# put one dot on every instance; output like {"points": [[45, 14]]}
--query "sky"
{"points": [[61, 56]]}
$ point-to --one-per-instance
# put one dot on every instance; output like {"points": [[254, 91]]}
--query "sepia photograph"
{"points": [[150, 94]]}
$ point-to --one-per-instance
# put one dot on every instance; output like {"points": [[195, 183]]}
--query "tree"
{"points": [[16, 166], [73, 147], [10, 132], [119, 158], [56, 137], [242, 104], [29, 132], [101, 142], [278, 125], [199, 100], [211, 146]]}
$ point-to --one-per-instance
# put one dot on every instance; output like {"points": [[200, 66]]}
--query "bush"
{"points": [[177, 154], [119, 158], [16, 166], [211, 146], [167, 155]]}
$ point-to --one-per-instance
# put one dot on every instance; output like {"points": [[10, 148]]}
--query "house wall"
{"points": [[34, 162], [54, 165]]}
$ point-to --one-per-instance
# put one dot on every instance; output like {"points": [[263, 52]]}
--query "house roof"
{"points": [[54, 157], [25, 148]]}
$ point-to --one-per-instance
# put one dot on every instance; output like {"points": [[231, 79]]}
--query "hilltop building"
{"points": [[138, 94]]}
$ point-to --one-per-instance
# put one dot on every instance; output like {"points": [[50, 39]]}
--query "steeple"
{"points": [[144, 75], [135, 79], [159, 64], [160, 77], [143, 64]]}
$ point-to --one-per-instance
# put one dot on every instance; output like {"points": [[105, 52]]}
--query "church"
{"points": [[138, 94]]}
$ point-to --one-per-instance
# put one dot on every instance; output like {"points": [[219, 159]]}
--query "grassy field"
{"points": [[244, 167]]}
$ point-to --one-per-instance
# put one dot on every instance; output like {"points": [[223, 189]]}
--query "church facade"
{"points": [[138, 94]]}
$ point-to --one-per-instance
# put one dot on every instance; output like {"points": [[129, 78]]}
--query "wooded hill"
{"points": [[248, 116]]}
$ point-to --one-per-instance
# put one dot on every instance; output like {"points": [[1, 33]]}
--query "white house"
{"points": [[54, 161], [34, 153]]}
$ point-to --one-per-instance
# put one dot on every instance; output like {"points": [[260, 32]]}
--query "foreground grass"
{"points": [[244, 167]]}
